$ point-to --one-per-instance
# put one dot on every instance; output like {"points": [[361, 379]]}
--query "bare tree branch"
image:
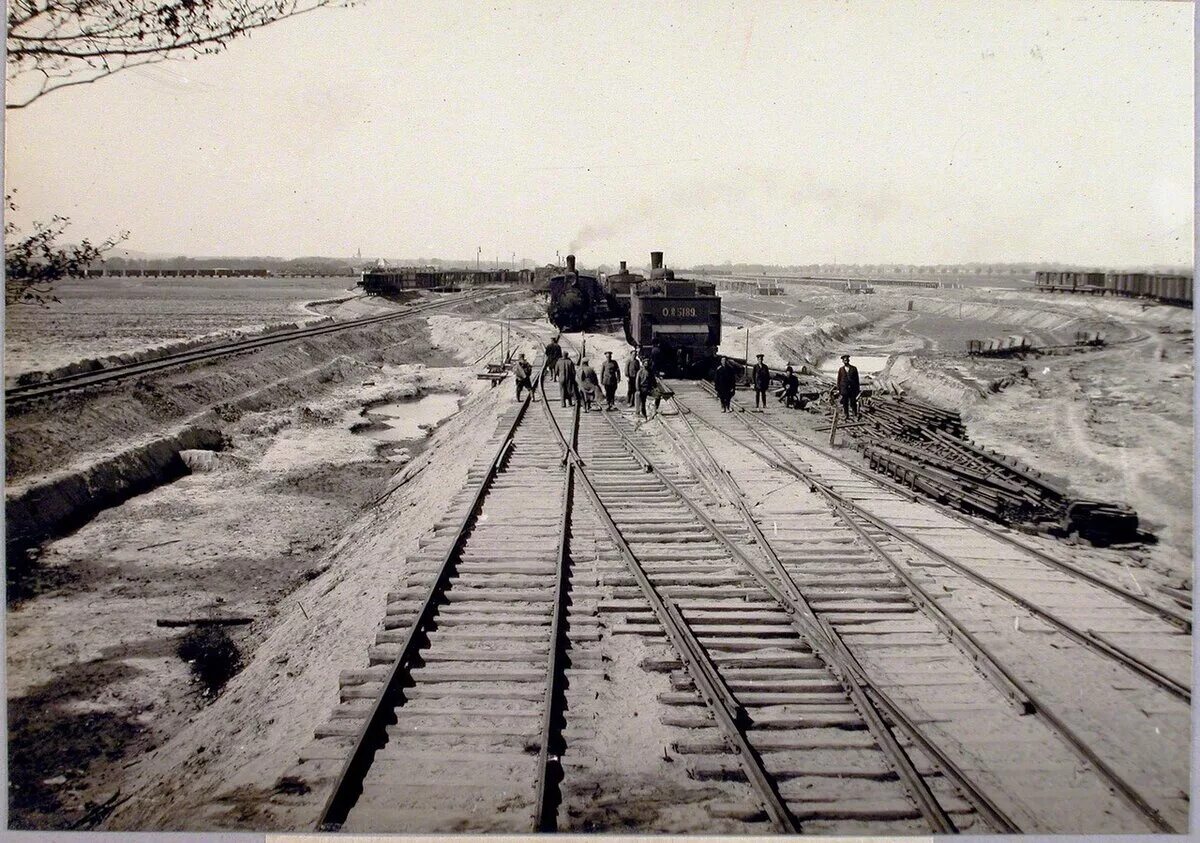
{"points": [[54, 44]]}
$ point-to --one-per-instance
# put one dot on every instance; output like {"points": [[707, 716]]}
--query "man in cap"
{"points": [[632, 366], [847, 387], [646, 385], [760, 378], [588, 384], [791, 386], [564, 373], [521, 372], [725, 383], [610, 376], [553, 352]]}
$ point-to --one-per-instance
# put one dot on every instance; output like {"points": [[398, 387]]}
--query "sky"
{"points": [[785, 132]]}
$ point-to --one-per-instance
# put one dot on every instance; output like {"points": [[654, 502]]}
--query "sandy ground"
{"points": [[94, 683], [1113, 424], [289, 527]]}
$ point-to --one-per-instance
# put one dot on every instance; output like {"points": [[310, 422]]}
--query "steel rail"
{"points": [[793, 598], [1083, 636], [824, 640], [549, 771], [23, 393], [966, 640], [727, 712], [1126, 790], [1164, 612], [372, 734]]}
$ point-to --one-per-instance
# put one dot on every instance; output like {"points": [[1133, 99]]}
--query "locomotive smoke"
{"points": [[590, 234]]}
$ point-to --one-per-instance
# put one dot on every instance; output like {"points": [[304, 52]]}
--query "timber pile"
{"points": [[926, 448]]}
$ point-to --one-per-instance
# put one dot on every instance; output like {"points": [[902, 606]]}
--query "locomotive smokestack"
{"points": [[655, 261], [570, 263], [622, 267]]}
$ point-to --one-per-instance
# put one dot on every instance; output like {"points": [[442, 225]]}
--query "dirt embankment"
{"points": [[267, 713], [93, 683]]}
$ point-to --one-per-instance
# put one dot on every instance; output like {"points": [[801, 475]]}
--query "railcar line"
{"points": [[466, 709], [880, 535], [20, 394]]}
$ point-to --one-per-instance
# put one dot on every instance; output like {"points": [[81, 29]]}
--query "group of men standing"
{"points": [[726, 376], [581, 382]]}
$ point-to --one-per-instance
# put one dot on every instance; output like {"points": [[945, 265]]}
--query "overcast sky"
{"points": [[785, 132]]}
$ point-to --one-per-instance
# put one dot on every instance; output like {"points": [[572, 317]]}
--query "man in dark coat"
{"points": [[610, 376], [553, 352], [847, 387], [725, 382], [632, 366], [646, 383], [521, 372], [589, 385], [564, 373], [791, 386], [760, 377]]}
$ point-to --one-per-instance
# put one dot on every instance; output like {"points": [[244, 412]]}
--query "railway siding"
{"points": [[1090, 689]]}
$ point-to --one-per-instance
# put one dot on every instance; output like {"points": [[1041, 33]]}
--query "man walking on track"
{"points": [[725, 383], [564, 373], [553, 352], [646, 383], [610, 376], [760, 376], [521, 372], [588, 384], [632, 366], [847, 387]]}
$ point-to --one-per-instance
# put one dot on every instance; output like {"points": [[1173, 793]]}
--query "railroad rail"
{"points": [[817, 681], [772, 712], [465, 710], [21, 394], [1155, 651]]}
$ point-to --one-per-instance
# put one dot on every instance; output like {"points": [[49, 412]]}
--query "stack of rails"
{"points": [[926, 448]]}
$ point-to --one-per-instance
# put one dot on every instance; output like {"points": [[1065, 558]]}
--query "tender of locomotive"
{"points": [[577, 301], [677, 323]]}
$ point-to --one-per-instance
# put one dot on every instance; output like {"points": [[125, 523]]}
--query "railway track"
{"points": [[808, 678], [963, 579], [460, 728], [22, 394]]}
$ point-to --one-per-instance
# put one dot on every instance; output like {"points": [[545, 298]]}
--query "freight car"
{"points": [[577, 301], [675, 323], [1166, 288]]}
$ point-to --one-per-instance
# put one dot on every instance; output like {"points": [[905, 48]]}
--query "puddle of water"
{"points": [[867, 364], [401, 421]]}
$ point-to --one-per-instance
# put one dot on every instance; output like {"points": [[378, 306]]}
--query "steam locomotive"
{"points": [[675, 323]]}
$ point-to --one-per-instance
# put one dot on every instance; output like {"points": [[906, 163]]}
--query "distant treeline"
{"points": [[1008, 270], [272, 266]]}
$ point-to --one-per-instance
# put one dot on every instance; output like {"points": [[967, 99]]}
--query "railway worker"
{"points": [[760, 377], [564, 373], [589, 385], [553, 352], [632, 366], [521, 373], [848, 387], [646, 383], [725, 382], [791, 386], [610, 376]]}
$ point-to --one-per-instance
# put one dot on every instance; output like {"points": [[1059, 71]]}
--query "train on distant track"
{"points": [[1166, 288], [676, 323]]}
